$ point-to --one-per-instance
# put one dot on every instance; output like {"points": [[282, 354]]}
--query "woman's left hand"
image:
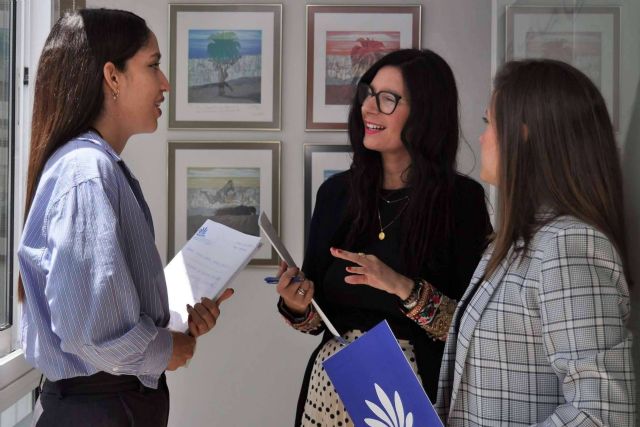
{"points": [[204, 315], [375, 273]]}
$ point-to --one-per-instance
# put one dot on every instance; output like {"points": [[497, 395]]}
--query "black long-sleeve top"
{"points": [[362, 307]]}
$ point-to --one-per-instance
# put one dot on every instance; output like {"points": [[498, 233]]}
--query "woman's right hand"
{"points": [[296, 295], [183, 348]]}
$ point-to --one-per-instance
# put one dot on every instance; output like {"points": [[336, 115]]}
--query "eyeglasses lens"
{"points": [[385, 101]]}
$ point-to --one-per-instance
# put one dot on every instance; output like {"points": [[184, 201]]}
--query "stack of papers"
{"points": [[204, 267]]}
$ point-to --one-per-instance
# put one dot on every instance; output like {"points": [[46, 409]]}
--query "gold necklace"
{"points": [[389, 202], [381, 234]]}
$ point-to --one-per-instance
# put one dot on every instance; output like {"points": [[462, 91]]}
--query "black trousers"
{"points": [[103, 400]]}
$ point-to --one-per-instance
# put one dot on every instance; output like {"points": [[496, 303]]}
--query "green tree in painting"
{"points": [[224, 51]]}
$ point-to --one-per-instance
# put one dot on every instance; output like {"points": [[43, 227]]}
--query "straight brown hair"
{"points": [[557, 152], [69, 95]]}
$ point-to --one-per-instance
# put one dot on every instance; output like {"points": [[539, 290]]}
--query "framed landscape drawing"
{"points": [[227, 182], [321, 161], [225, 66], [586, 37], [342, 43]]}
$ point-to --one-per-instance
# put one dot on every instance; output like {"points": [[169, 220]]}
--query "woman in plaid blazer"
{"points": [[540, 336]]}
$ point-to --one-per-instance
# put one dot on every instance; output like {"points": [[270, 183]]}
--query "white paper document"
{"points": [[206, 265], [272, 236]]}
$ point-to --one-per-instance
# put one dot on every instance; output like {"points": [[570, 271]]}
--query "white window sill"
{"points": [[17, 378]]}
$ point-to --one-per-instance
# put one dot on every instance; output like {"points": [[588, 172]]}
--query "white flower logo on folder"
{"points": [[392, 415]]}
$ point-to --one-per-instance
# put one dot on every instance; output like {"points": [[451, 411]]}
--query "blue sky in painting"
{"points": [[250, 42]]}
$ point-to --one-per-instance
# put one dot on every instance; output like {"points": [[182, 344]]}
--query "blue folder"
{"points": [[377, 385]]}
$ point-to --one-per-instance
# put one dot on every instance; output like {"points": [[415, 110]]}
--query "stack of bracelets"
{"points": [[426, 306], [430, 309], [308, 322]]}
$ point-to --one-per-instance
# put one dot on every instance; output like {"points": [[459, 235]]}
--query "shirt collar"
{"points": [[93, 136]]}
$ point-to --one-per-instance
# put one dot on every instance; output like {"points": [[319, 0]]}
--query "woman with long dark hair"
{"points": [[401, 221], [92, 282], [540, 336]]}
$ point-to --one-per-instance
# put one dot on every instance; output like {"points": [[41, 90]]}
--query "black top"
{"points": [[362, 307]]}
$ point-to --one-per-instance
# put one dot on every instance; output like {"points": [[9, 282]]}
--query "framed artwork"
{"points": [[586, 37], [225, 66], [320, 162], [342, 43], [60, 7], [227, 182]]}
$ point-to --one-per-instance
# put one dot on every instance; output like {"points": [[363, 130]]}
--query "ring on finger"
{"points": [[362, 254], [301, 292]]}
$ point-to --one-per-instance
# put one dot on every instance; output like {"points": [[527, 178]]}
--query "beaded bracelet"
{"points": [[424, 296], [412, 299], [309, 322], [433, 312]]}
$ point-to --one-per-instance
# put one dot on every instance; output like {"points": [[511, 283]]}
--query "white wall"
{"points": [[248, 370]]}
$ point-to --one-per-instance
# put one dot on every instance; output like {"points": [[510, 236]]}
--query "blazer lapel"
{"points": [[468, 320], [447, 372]]}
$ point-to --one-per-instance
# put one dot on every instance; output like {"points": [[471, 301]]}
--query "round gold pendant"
{"points": [[381, 235]]}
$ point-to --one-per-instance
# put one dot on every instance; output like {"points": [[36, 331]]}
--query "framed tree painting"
{"points": [[586, 37], [321, 161], [225, 66], [226, 182], [342, 43]]}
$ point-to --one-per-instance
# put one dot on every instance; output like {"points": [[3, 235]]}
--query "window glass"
{"points": [[6, 155]]}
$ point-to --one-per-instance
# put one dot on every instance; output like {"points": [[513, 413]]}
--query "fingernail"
{"points": [[189, 308], [201, 299]]}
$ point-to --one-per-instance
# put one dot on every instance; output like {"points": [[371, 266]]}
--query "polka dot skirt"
{"points": [[323, 406]]}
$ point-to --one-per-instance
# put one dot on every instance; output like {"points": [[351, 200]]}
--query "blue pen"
{"points": [[275, 280]]}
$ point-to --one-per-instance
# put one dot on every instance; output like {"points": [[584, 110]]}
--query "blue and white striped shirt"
{"points": [[96, 298]]}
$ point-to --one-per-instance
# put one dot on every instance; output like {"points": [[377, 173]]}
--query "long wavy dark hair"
{"points": [[566, 161], [431, 136], [69, 93]]}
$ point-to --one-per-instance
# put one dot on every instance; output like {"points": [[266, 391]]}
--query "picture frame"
{"points": [[321, 161], [342, 43], [225, 65], [227, 182], [586, 37], [60, 7]]}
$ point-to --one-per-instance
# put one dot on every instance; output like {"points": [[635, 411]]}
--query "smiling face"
{"points": [[381, 131], [142, 90]]}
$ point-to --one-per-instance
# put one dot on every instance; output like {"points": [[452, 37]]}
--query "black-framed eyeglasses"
{"points": [[385, 101]]}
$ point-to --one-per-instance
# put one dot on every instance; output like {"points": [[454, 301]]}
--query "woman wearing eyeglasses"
{"points": [[396, 237]]}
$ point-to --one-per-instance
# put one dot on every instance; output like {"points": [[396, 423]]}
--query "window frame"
{"points": [[31, 23], [9, 243]]}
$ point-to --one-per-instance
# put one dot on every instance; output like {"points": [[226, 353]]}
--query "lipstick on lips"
{"points": [[372, 128]]}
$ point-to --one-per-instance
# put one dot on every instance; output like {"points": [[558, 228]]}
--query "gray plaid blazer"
{"points": [[543, 341]]}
